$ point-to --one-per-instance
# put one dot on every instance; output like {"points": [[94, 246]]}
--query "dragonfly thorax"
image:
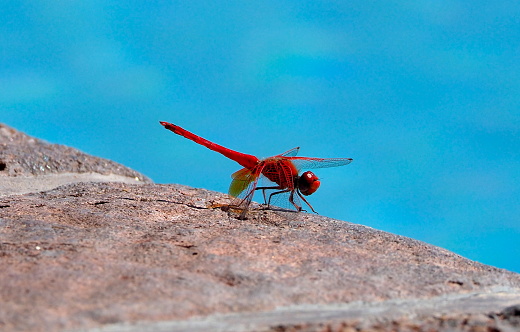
{"points": [[308, 183], [280, 171]]}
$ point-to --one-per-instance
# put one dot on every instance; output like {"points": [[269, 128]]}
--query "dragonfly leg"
{"points": [[263, 192], [244, 205], [268, 201], [244, 209], [291, 199], [280, 192], [301, 196]]}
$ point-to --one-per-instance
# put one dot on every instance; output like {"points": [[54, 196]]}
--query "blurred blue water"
{"points": [[423, 95]]}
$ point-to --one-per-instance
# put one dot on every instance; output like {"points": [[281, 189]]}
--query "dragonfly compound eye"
{"points": [[308, 183]]}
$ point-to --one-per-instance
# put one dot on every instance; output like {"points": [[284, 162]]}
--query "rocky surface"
{"points": [[28, 164], [105, 256]]}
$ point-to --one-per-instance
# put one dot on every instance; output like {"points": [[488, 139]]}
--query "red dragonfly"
{"points": [[282, 170]]}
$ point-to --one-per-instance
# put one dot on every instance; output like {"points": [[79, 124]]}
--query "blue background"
{"points": [[424, 95]]}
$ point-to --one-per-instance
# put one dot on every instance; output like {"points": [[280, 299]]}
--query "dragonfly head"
{"points": [[308, 183]]}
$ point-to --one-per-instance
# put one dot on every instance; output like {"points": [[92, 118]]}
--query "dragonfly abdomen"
{"points": [[246, 160]]}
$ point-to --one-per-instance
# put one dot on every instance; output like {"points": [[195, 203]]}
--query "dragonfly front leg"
{"points": [[291, 199], [301, 196]]}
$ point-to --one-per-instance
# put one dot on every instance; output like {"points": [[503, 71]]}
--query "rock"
{"points": [[125, 257], [28, 164]]}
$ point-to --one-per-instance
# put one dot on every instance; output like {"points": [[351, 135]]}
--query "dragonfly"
{"points": [[282, 171]]}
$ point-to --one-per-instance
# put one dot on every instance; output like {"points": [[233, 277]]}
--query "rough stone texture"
{"points": [[124, 257], [89, 254], [29, 164]]}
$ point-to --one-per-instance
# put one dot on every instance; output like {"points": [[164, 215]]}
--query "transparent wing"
{"points": [[243, 185], [291, 153], [311, 163]]}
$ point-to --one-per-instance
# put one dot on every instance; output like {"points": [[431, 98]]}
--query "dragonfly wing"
{"points": [[243, 186], [311, 163], [241, 180], [245, 180], [290, 153]]}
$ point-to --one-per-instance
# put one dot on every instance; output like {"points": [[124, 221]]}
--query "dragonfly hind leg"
{"points": [[291, 198], [241, 205], [266, 201]]}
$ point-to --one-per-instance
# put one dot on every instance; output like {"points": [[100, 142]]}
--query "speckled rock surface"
{"points": [[28, 164], [89, 254], [23, 155], [100, 256]]}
